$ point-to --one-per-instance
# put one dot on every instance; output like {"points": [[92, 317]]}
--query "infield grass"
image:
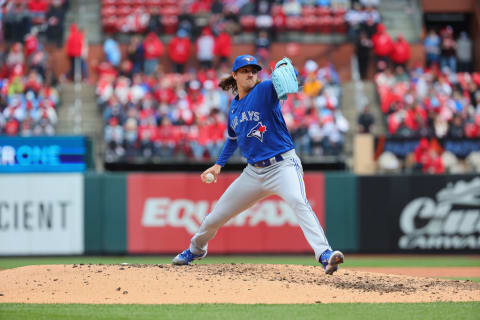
{"points": [[437, 311]]}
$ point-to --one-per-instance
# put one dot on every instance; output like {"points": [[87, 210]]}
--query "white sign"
{"points": [[41, 214]]}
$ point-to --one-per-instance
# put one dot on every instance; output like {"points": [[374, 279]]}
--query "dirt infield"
{"points": [[221, 283], [463, 272]]}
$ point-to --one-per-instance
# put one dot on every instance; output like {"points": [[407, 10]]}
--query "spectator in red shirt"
{"points": [[38, 9], [223, 48], [382, 45], [472, 128], [427, 157], [200, 7], [74, 48], [31, 43], [400, 52], [179, 50], [38, 6], [432, 162], [153, 47], [166, 139], [33, 82], [11, 127], [106, 70], [216, 132]]}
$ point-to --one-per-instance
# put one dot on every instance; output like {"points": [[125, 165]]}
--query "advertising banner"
{"points": [[419, 213], [165, 211], [41, 214], [42, 154]]}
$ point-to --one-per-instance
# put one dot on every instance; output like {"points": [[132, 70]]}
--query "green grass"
{"points": [[437, 311], [350, 261]]}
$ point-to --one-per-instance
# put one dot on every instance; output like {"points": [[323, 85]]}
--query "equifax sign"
{"points": [[188, 214], [165, 211]]}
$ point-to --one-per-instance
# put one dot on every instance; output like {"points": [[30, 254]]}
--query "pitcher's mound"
{"points": [[221, 283]]}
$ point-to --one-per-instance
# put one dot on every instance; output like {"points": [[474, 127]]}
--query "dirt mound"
{"points": [[460, 272], [221, 283]]}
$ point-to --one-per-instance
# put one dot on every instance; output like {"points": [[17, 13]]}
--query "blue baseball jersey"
{"points": [[256, 123]]}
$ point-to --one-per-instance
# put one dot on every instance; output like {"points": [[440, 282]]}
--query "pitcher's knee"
{"points": [[211, 223]]}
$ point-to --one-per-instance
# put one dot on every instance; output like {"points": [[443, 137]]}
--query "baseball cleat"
{"points": [[186, 257], [330, 260]]}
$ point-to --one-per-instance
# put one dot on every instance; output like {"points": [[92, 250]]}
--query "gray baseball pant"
{"points": [[285, 179]]}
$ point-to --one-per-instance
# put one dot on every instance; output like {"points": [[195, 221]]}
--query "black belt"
{"points": [[268, 162]]}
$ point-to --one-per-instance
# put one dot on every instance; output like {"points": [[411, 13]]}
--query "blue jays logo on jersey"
{"points": [[258, 131], [245, 116]]}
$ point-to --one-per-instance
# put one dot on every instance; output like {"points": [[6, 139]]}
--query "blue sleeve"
{"points": [[267, 90], [228, 149], [231, 134]]}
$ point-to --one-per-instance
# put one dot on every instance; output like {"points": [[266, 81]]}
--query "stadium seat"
{"points": [[170, 11], [248, 23], [339, 11], [121, 24], [308, 11], [339, 24], [155, 3], [124, 2], [326, 24], [139, 3], [123, 11], [171, 2], [294, 23], [310, 23], [279, 23], [109, 24], [323, 11], [108, 11]]}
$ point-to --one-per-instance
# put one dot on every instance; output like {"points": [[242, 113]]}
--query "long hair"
{"points": [[229, 83]]}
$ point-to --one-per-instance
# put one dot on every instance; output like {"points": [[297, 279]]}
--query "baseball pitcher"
{"points": [[257, 127]]}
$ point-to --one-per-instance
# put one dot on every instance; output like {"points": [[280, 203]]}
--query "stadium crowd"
{"points": [[166, 110], [150, 110], [18, 17], [438, 100], [28, 94], [28, 97], [136, 16]]}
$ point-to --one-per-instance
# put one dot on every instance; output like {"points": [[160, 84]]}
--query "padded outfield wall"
{"points": [[157, 213]]}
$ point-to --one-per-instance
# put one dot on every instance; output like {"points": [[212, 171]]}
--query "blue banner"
{"points": [[42, 154]]}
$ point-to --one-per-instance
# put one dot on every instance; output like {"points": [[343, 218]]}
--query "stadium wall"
{"points": [[447, 5], [157, 213]]}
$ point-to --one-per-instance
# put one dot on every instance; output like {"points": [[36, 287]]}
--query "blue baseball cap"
{"points": [[245, 60]]}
